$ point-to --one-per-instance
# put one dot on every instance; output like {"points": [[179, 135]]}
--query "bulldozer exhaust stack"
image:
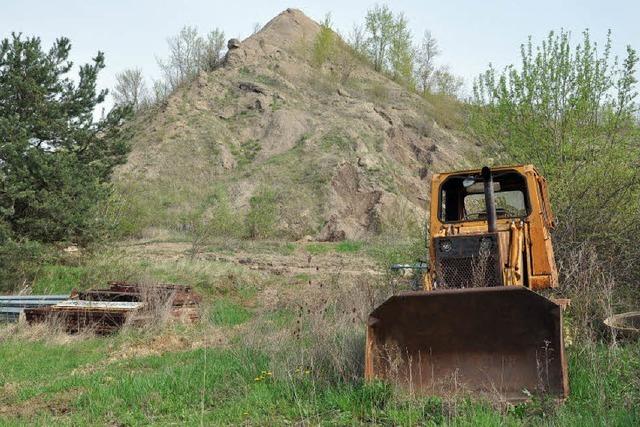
{"points": [[489, 199]]}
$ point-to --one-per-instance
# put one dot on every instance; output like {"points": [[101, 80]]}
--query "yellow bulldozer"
{"points": [[478, 325]]}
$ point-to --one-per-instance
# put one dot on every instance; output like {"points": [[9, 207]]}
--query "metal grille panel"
{"points": [[468, 261]]}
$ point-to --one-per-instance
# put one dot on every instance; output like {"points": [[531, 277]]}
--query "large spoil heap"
{"points": [[342, 149]]}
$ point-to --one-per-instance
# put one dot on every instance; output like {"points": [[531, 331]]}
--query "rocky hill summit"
{"points": [[333, 150]]}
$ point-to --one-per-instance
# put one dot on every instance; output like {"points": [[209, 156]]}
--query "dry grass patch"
{"points": [[318, 328], [51, 332]]}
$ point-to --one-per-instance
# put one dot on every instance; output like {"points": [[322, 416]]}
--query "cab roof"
{"points": [[522, 168]]}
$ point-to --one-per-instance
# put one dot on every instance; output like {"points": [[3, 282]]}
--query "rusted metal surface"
{"points": [[468, 261], [186, 314], [179, 295], [106, 310], [478, 328], [536, 257], [182, 300], [78, 315], [501, 342]]}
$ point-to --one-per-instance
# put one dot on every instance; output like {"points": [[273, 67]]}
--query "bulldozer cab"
{"points": [[478, 326], [466, 250]]}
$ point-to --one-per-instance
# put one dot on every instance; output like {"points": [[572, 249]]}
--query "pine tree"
{"points": [[55, 159]]}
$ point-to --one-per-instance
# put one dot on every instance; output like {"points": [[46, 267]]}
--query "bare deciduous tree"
{"points": [[161, 90], [189, 53], [444, 82], [183, 61], [130, 89], [425, 61], [357, 39], [211, 55]]}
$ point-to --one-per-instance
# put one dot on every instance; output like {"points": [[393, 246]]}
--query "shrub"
{"points": [[262, 216], [324, 44], [127, 212], [20, 262], [379, 92], [571, 111], [213, 218], [325, 340], [336, 138], [590, 286]]}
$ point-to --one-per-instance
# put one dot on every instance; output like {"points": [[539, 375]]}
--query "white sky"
{"points": [[470, 33]]}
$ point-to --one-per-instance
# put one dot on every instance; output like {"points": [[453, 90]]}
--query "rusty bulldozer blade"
{"points": [[502, 342]]}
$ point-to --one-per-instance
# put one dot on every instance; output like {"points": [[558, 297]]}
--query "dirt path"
{"points": [[298, 262]]}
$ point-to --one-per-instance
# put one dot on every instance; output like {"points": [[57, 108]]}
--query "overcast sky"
{"points": [[471, 33]]}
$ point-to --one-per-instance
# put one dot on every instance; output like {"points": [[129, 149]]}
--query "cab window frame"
{"points": [[525, 191]]}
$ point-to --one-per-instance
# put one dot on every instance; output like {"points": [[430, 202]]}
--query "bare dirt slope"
{"points": [[345, 150]]}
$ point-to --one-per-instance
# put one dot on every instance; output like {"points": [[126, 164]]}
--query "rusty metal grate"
{"points": [[467, 262]]}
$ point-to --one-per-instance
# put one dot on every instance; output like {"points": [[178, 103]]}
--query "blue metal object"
{"points": [[418, 270], [421, 266], [32, 297], [11, 306]]}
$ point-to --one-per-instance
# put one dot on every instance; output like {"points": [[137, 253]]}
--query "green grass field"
{"points": [[270, 350], [70, 384]]}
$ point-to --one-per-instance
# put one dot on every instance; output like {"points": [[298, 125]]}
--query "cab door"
{"points": [[543, 272]]}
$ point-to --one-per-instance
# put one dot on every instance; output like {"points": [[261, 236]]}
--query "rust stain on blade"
{"points": [[503, 342]]}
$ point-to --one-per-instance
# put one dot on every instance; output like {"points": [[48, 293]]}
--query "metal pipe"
{"points": [[489, 199]]}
